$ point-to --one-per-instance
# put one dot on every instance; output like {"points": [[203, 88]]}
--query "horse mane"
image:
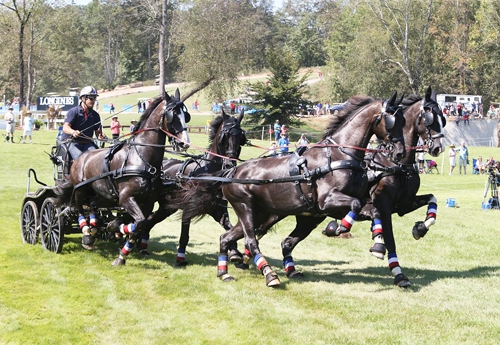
{"points": [[411, 100], [148, 112], [353, 105], [215, 124]]}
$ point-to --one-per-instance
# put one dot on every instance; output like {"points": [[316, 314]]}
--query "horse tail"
{"points": [[63, 192], [199, 198]]}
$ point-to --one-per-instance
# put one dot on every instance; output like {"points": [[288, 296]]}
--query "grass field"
{"points": [[346, 297]]}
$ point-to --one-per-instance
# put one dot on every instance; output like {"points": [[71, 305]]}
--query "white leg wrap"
{"points": [[429, 222]]}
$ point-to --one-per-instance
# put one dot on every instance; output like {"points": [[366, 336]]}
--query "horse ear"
{"points": [[177, 94], [224, 115], [166, 96], [433, 95], [240, 118], [401, 99], [393, 98], [428, 93]]}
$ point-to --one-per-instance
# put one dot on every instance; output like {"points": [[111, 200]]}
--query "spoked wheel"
{"points": [[51, 226], [29, 222]]}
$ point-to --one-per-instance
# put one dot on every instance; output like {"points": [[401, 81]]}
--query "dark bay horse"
{"points": [[226, 139], [394, 188], [327, 179], [126, 175]]}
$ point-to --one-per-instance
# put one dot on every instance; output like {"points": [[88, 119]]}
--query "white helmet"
{"points": [[88, 91]]}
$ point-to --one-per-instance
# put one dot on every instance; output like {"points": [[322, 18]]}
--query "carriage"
{"points": [[106, 186], [41, 217]]}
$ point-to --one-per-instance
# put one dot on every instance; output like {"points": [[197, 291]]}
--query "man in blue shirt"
{"points": [[81, 123], [283, 144], [277, 130]]}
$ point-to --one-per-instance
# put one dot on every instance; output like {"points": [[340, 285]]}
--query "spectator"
{"points": [[463, 157], [28, 127], [284, 130], [132, 125], [139, 107], [115, 127], [283, 144], [277, 130], [421, 161], [111, 108], [452, 156], [466, 117], [10, 125], [303, 140], [272, 149]]}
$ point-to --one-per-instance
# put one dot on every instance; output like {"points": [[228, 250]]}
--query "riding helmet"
{"points": [[88, 91]]}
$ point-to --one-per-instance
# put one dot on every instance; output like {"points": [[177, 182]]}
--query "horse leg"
{"points": [[221, 216], [421, 228], [302, 229], [334, 229], [161, 214], [89, 232], [226, 240], [260, 232], [183, 241], [378, 247], [131, 230], [388, 235]]}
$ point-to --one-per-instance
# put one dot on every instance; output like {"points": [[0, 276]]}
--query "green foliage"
{"points": [[280, 97]]}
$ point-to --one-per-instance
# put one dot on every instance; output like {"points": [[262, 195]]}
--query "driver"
{"points": [[81, 123]]}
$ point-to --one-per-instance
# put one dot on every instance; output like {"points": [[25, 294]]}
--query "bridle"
{"points": [[390, 113], [428, 113]]}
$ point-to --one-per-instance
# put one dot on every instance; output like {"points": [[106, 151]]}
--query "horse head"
{"points": [[176, 115], [430, 123], [228, 136], [389, 126]]}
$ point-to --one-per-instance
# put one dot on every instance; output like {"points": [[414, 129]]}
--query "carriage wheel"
{"points": [[29, 222], [51, 226]]}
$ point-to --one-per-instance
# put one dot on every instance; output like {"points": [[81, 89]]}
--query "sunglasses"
{"points": [[92, 98]]}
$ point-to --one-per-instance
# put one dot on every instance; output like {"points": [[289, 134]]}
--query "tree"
{"points": [[23, 10], [280, 98], [407, 23], [214, 41]]}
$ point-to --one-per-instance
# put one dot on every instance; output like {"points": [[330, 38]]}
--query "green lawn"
{"points": [[346, 297]]}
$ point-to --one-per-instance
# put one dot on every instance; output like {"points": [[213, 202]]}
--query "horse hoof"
{"points": [[296, 275], [242, 266], [181, 263], [272, 280], [419, 230], [144, 252], [118, 262], [88, 242], [402, 281], [345, 235], [235, 256], [330, 229], [226, 278], [378, 250]]}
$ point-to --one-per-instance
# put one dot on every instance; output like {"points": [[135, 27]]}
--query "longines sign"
{"points": [[66, 102]]}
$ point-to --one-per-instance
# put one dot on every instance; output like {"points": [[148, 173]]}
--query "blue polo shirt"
{"points": [[85, 123]]}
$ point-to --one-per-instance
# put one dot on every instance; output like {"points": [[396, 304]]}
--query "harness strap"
{"points": [[320, 171], [134, 170]]}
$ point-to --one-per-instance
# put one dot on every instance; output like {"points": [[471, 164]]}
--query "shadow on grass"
{"points": [[164, 250]]}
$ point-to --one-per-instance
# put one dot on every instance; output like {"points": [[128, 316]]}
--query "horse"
{"points": [[263, 191], [394, 188], [127, 174], [226, 139]]}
